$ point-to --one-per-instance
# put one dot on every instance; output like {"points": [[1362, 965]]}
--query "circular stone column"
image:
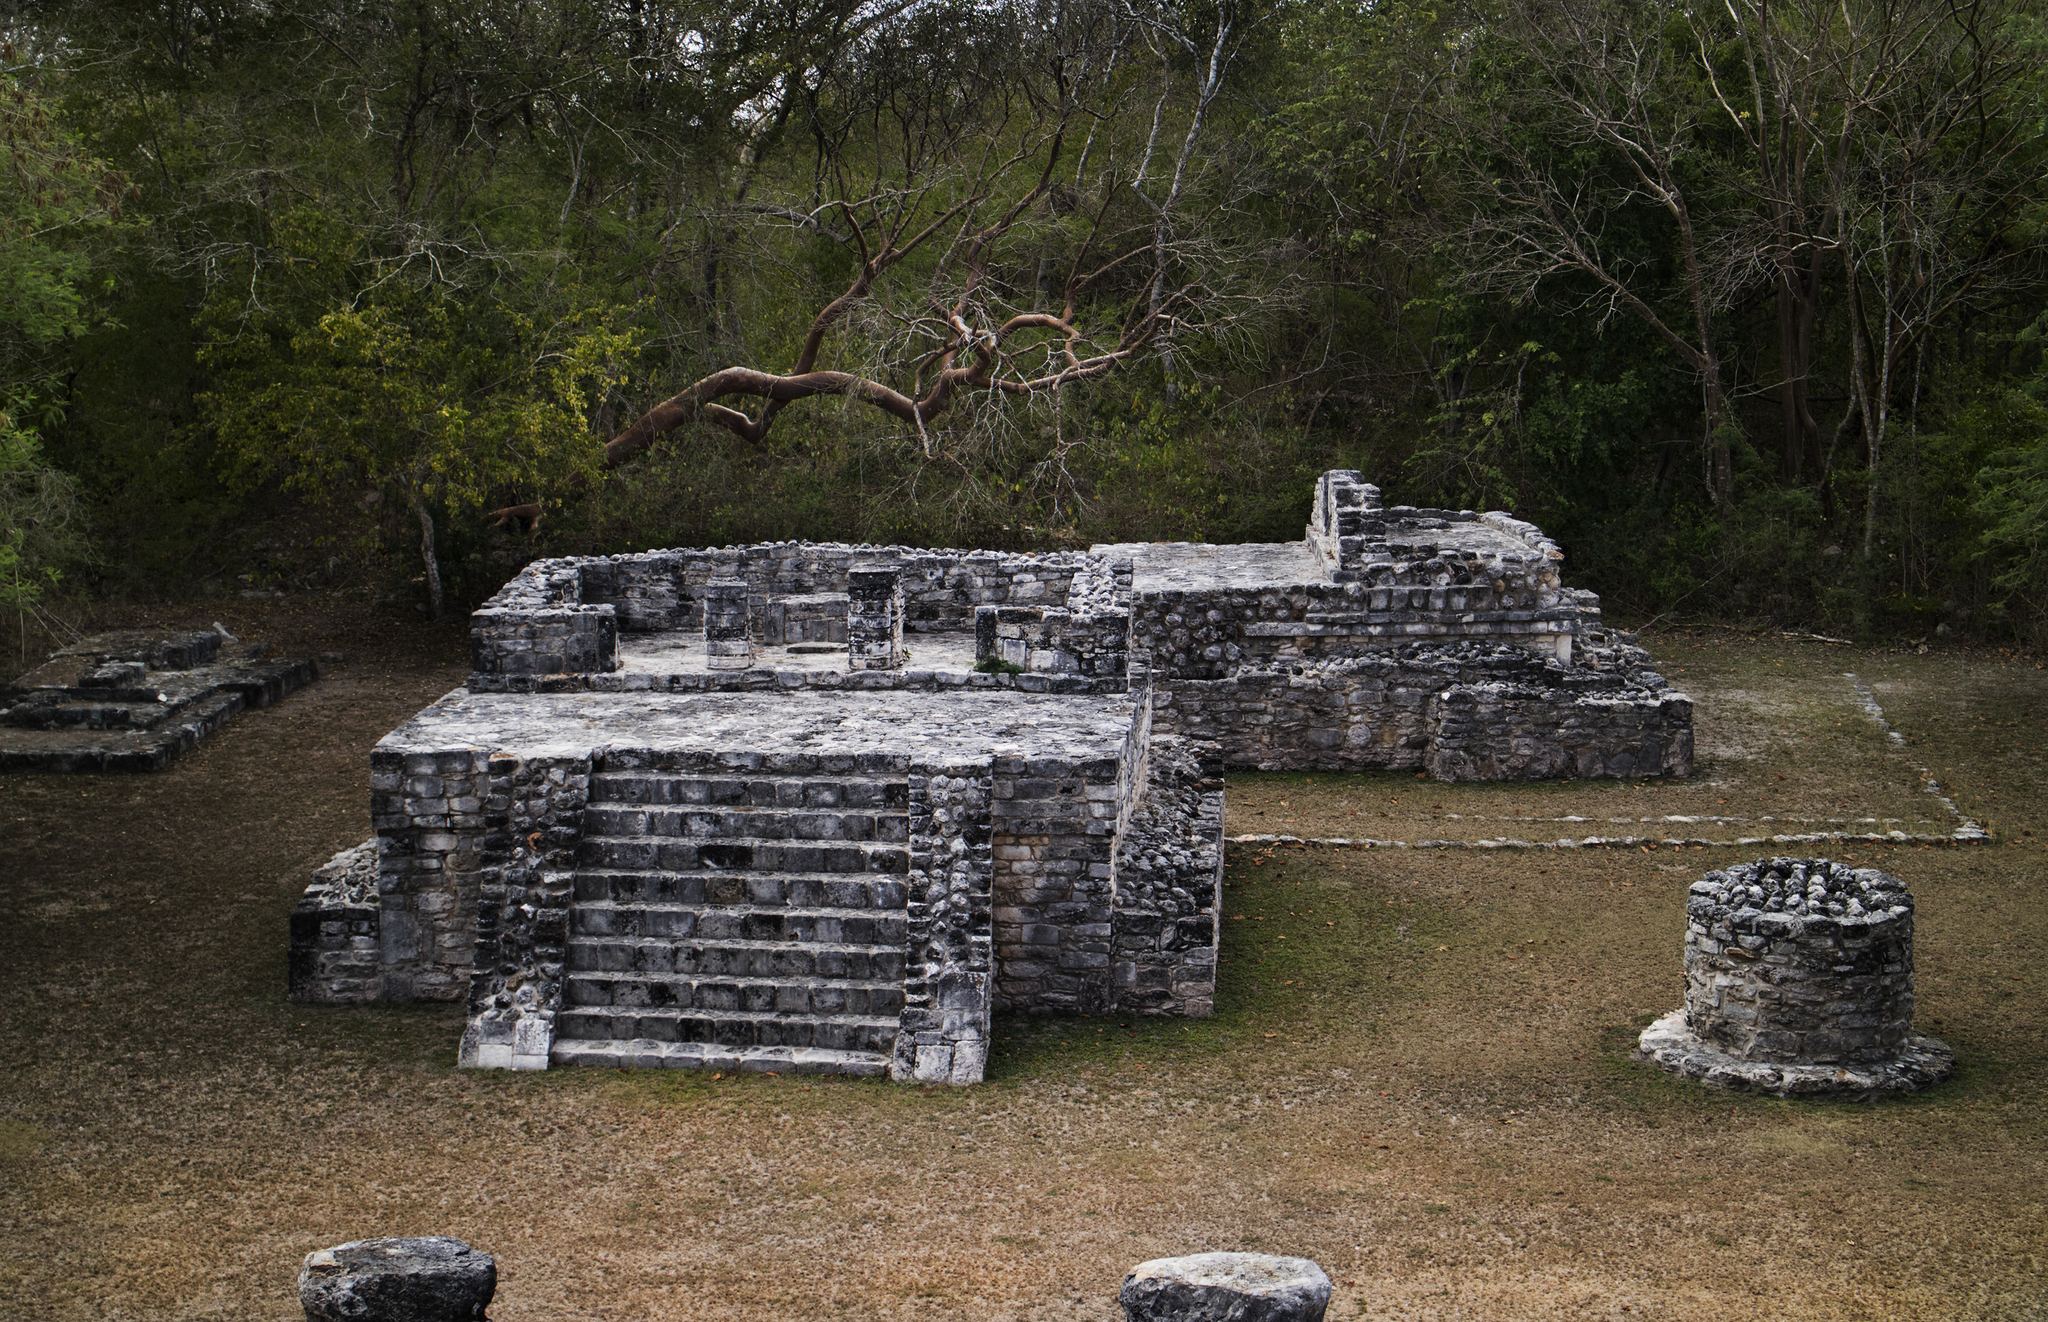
{"points": [[1798, 979]]}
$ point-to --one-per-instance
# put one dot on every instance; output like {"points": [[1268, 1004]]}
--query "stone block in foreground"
{"points": [[426, 1279], [1225, 1287]]}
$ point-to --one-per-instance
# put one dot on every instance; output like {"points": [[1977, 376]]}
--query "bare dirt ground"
{"points": [[1418, 1074]]}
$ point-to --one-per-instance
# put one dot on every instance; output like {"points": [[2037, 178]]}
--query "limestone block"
{"points": [[874, 621], [1225, 1287], [427, 1279], [728, 644]]}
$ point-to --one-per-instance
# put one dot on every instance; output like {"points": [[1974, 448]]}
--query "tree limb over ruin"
{"points": [[960, 213]]}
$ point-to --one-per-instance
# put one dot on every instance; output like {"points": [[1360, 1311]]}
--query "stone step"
{"points": [[658, 788], [826, 890], [750, 959], [668, 854], [788, 996], [834, 824], [741, 922], [647, 1053], [729, 1028]]}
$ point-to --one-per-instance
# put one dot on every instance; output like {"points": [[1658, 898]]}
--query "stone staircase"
{"points": [[737, 921]]}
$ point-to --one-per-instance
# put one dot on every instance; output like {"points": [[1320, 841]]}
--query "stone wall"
{"points": [[1054, 641], [818, 618], [1055, 835], [652, 592], [1170, 886], [1465, 712], [1338, 523], [524, 889], [429, 813], [567, 612], [543, 640], [1180, 634], [949, 974], [1497, 731], [334, 930]]}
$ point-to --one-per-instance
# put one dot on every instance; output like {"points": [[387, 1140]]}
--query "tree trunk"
{"points": [[427, 556], [1720, 463], [1800, 444], [1861, 403]]}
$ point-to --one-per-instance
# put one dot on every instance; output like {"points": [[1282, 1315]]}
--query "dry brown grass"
{"points": [[1418, 1075]]}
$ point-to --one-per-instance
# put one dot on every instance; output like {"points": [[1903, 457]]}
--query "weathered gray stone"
{"points": [[426, 1279], [137, 699], [665, 824], [1799, 979], [1225, 1287]]}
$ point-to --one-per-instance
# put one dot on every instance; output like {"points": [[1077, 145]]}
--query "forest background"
{"points": [[1744, 303]]}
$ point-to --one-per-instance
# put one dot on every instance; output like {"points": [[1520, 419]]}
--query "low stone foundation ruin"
{"points": [[136, 699], [1798, 979], [825, 807]]}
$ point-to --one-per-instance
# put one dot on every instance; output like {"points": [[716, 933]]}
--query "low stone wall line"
{"points": [[1618, 841], [1868, 701]]}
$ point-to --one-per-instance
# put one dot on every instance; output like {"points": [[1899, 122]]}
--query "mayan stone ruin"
{"points": [[136, 699], [1798, 979], [798, 807]]}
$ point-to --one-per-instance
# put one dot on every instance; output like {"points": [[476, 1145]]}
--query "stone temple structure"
{"points": [[824, 807]]}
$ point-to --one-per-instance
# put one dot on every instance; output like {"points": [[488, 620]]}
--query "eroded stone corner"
{"points": [[949, 974], [525, 888]]}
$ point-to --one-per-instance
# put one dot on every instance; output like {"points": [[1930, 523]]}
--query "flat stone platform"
{"points": [[759, 728], [684, 653], [1200, 567], [137, 699]]}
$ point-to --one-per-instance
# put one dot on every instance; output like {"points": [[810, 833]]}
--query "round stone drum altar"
{"points": [[1798, 979]]}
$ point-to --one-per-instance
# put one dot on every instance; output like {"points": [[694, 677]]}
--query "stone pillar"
{"points": [[1798, 979], [874, 619], [727, 645]]}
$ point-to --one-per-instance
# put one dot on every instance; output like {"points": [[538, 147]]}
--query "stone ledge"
{"points": [[183, 707], [1671, 1046], [647, 1053]]}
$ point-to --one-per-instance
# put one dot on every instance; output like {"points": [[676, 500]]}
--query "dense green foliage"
{"points": [[1744, 304]]}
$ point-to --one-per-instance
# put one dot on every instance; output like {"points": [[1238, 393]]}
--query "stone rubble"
{"points": [[1226, 1287]]}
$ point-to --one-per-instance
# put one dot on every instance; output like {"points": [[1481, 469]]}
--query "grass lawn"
{"points": [[1418, 1073]]}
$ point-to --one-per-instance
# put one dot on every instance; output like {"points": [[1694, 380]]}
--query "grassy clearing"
{"points": [[1418, 1075]]}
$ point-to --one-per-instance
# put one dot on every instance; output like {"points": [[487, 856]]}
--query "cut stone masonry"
{"points": [[818, 807], [137, 699], [1798, 979]]}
